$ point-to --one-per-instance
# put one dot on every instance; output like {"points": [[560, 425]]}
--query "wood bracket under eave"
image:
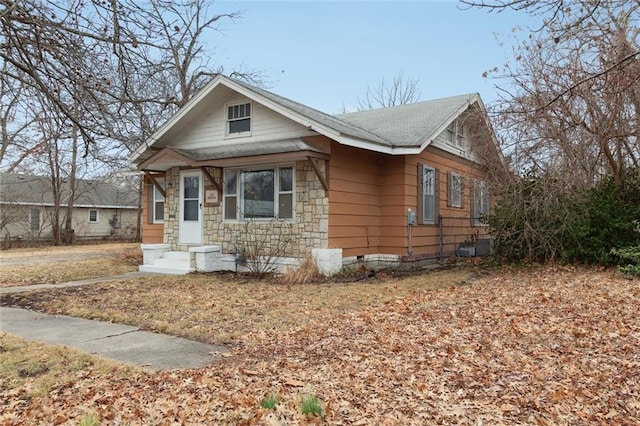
{"points": [[211, 178], [155, 183], [322, 177]]}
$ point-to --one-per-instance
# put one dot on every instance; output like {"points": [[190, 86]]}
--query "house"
{"points": [[343, 187], [100, 210]]}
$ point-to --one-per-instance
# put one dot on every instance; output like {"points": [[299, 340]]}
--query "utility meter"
{"points": [[411, 217]]}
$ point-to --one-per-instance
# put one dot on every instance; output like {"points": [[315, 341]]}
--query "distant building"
{"points": [[100, 210]]}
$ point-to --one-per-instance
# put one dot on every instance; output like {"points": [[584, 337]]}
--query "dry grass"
{"points": [[38, 367], [51, 265], [219, 308], [306, 273]]}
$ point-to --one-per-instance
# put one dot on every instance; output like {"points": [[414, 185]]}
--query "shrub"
{"points": [[609, 223], [263, 244], [541, 218]]}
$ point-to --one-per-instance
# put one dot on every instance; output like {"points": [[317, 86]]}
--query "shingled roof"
{"points": [[411, 124], [26, 189], [405, 129]]}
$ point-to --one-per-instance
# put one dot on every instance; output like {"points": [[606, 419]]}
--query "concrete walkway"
{"points": [[120, 342], [23, 288]]}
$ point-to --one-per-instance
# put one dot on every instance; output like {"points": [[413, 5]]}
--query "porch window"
{"points": [[93, 216], [427, 195], [258, 193], [481, 202], [454, 186], [239, 118], [158, 202]]}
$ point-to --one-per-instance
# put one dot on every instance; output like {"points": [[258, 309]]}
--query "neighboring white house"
{"points": [[101, 210]]}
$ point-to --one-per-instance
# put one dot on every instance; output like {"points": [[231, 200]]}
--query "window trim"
{"points": [[228, 120], [97, 216], [239, 217], [154, 193]]}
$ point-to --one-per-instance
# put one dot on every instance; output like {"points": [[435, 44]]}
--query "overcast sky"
{"points": [[326, 53]]}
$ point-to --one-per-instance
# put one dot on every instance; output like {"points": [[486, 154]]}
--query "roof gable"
{"points": [[405, 129]]}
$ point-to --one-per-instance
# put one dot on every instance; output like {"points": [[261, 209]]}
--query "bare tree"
{"points": [[97, 62], [399, 91], [108, 73], [572, 106]]}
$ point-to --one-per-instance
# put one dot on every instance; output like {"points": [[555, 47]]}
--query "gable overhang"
{"points": [[165, 159], [287, 151], [473, 100], [306, 122]]}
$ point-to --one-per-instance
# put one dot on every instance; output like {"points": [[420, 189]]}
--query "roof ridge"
{"points": [[396, 107]]}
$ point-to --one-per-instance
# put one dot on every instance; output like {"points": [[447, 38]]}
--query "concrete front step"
{"points": [[164, 269], [176, 255], [171, 262]]}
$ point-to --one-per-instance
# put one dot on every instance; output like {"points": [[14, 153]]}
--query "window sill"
{"points": [[237, 135]]}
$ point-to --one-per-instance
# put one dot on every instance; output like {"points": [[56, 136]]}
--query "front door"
{"points": [[190, 207]]}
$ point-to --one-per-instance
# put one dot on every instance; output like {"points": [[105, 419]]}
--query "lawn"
{"points": [[52, 265], [548, 345]]}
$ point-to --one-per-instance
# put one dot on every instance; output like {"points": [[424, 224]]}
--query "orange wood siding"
{"points": [[354, 209], [370, 194], [425, 237], [152, 233]]}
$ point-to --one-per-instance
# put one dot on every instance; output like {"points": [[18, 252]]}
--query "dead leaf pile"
{"points": [[544, 346]]}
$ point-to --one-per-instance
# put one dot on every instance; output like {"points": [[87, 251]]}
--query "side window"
{"points": [[239, 118], [158, 203], [481, 202], [231, 195], [427, 195], [93, 216], [455, 188], [285, 193]]}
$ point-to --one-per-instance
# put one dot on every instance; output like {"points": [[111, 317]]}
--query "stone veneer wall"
{"points": [[310, 228]]}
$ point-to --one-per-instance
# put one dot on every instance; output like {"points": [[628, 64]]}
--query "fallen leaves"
{"points": [[543, 346]]}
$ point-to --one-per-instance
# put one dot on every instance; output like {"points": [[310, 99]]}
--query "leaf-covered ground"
{"points": [[541, 346]]}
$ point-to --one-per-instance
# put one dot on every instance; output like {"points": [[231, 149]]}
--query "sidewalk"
{"points": [[21, 289], [120, 342]]}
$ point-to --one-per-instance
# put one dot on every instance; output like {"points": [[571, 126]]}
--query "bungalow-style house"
{"points": [[100, 209], [367, 186]]}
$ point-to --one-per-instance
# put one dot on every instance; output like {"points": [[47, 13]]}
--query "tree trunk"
{"points": [[69, 237]]}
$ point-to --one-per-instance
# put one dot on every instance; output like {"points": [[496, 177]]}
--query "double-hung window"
{"points": [[455, 134], [93, 216], [239, 119], [455, 185], [427, 195], [259, 193], [481, 202], [158, 202]]}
